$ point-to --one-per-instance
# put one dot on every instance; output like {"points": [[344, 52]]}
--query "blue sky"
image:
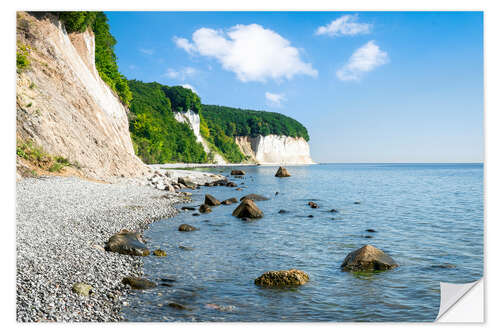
{"points": [[369, 86]]}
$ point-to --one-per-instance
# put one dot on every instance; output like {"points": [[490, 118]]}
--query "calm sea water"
{"points": [[428, 217]]}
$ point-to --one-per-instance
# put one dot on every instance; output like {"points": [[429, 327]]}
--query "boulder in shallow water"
{"points": [[249, 209], [82, 289], [126, 242], [138, 283], [229, 201], [204, 208], [289, 278], [177, 306], [211, 201], [187, 227], [368, 258], [231, 184], [282, 172], [237, 172], [312, 204], [282, 211], [254, 197], [159, 253]]}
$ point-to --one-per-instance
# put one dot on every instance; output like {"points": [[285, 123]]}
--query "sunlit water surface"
{"points": [[428, 217]]}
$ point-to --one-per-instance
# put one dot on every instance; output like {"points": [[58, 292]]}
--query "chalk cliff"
{"points": [[64, 106], [193, 120], [274, 149]]}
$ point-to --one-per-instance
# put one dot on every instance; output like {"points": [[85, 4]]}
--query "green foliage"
{"points": [[77, 21], [239, 122], [156, 135], [22, 61], [105, 58], [183, 99], [220, 142], [56, 167], [36, 155]]}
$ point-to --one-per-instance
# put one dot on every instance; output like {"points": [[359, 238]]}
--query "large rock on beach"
{"points": [[82, 289], [289, 278], [138, 283], [282, 172], [187, 182], [249, 209], [254, 197], [211, 201], [127, 242], [368, 258], [237, 172]]}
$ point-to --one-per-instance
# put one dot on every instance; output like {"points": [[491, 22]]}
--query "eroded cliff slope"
{"points": [[193, 120], [64, 106]]}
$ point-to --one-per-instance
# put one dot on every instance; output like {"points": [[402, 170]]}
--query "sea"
{"points": [[427, 217]]}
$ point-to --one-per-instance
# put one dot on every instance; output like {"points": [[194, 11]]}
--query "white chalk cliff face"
{"points": [[275, 149], [193, 120], [64, 106]]}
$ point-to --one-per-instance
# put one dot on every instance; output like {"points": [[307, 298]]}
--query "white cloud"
{"points": [[188, 86], [274, 99], [252, 52], [363, 60], [183, 43], [147, 51], [345, 25], [181, 74]]}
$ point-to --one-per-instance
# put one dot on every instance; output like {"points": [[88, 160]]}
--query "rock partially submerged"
{"points": [[204, 208], [187, 227], [211, 201], [248, 209], [229, 201], [126, 242], [177, 306], [160, 253], [288, 278], [312, 204], [282, 172], [368, 258], [138, 283], [237, 172], [254, 197]]}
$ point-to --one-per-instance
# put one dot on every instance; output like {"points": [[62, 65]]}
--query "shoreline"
{"points": [[62, 224], [229, 165]]}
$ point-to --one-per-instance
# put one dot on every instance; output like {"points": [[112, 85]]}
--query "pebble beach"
{"points": [[62, 226]]}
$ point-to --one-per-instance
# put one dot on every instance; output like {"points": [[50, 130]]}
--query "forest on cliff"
{"points": [[156, 135]]}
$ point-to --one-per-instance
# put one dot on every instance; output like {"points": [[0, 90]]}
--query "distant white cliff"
{"points": [[193, 120], [275, 149]]}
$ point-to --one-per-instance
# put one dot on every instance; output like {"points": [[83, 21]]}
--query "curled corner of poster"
{"points": [[462, 303]]}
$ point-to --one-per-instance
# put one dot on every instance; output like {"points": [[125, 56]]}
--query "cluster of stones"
{"points": [[162, 180], [366, 258]]}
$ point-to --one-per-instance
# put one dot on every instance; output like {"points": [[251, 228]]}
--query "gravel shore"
{"points": [[62, 225]]}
